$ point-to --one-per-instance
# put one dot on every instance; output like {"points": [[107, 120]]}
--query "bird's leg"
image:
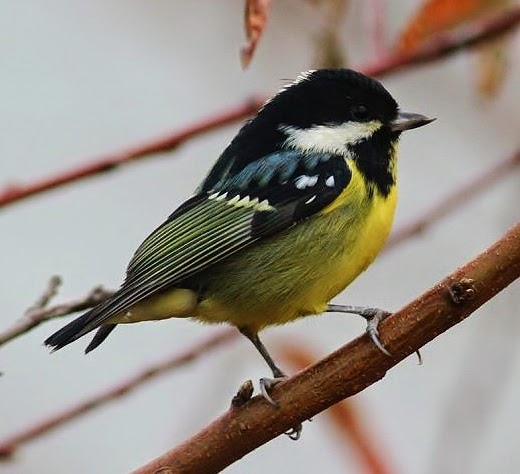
{"points": [[267, 384], [373, 317]]}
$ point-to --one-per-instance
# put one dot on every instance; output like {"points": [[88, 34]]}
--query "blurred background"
{"points": [[83, 79]]}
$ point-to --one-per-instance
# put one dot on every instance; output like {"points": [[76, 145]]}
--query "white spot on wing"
{"points": [[263, 206], [304, 181], [243, 201], [217, 196], [312, 198], [330, 182]]}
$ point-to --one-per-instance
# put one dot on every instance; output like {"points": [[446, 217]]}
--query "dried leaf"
{"points": [[436, 16], [491, 67], [329, 50], [255, 19]]}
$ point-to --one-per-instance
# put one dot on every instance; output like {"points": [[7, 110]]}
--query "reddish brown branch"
{"points": [[350, 369], [454, 200], [16, 193], [437, 48], [10, 444], [345, 416], [443, 45]]}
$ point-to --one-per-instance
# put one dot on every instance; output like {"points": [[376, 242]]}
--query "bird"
{"points": [[298, 204]]}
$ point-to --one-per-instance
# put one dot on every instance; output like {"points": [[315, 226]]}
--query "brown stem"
{"points": [[345, 416], [443, 45], [350, 369], [18, 192]]}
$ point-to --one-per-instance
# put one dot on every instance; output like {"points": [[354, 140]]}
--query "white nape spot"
{"points": [[329, 138], [312, 198], [303, 76], [304, 181], [330, 182]]}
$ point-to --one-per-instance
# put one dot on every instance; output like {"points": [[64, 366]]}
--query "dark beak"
{"points": [[407, 121]]}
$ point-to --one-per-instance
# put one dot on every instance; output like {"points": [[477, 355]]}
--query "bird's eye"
{"points": [[359, 112]]}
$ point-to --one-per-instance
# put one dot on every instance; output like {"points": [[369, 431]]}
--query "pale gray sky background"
{"points": [[79, 79]]}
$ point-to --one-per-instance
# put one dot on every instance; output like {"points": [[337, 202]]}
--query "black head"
{"points": [[321, 97], [330, 96], [327, 110]]}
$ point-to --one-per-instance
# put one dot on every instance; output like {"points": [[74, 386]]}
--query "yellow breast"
{"points": [[298, 272]]}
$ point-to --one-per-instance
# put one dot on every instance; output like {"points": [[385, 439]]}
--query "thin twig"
{"points": [[454, 200], [39, 313], [14, 193], [350, 369], [10, 444], [439, 47], [446, 44], [50, 292]]}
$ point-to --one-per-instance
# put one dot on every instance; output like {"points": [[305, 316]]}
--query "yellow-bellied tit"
{"points": [[295, 208]]}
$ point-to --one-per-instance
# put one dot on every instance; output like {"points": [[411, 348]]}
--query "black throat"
{"points": [[375, 159]]}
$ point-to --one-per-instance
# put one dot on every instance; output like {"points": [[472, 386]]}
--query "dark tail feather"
{"points": [[72, 331], [101, 334]]}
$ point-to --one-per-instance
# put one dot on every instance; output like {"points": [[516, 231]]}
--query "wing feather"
{"points": [[217, 223]]}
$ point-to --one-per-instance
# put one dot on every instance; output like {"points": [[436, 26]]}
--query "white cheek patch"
{"points": [[304, 181], [329, 138]]}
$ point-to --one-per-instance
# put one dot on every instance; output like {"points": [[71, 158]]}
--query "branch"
{"points": [[10, 444], [345, 417], [16, 193], [443, 45], [350, 369], [457, 198], [437, 48], [39, 313]]}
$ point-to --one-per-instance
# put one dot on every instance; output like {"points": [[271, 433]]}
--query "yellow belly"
{"points": [[293, 274], [299, 272]]}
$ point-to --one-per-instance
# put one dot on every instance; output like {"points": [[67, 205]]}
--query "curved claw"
{"points": [[372, 324], [267, 384], [374, 334], [295, 433]]}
